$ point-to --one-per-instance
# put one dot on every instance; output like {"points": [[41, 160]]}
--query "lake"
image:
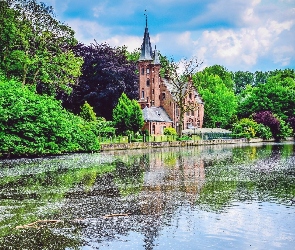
{"points": [[206, 197]]}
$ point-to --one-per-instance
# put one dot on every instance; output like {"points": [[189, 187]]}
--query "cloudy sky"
{"points": [[238, 34]]}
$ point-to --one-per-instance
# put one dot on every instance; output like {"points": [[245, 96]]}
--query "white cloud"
{"points": [[238, 34], [241, 48], [87, 31], [132, 42]]}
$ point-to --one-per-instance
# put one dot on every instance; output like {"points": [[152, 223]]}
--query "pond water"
{"points": [[206, 197]]}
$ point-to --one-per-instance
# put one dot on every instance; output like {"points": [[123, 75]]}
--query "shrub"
{"points": [[32, 124], [268, 119], [170, 131], [245, 128], [278, 127], [291, 121]]}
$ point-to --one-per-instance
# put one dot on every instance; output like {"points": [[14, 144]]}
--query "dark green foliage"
{"points": [[241, 80], [291, 121], [106, 74], [32, 124], [127, 115], [278, 127]]}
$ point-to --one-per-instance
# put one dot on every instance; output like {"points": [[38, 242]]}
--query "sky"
{"points": [[247, 35]]}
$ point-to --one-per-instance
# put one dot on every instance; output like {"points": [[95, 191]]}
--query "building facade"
{"points": [[156, 98]]}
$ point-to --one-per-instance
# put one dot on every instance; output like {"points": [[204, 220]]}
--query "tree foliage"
{"points": [[106, 74], [278, 127], [32, 124], [215, 86], [248, 128], [170, 131], [87, 113], [35, 47], [201, 79], [127, 115], [276, 95]]}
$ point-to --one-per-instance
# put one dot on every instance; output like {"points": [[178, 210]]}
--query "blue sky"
{"points": [[240, 35]]}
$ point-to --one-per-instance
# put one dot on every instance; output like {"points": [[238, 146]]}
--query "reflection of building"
{"points": [[156, 98], [171, 178]]}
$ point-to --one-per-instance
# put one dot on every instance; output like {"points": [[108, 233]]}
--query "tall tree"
{"points": [[106, 74], [38, 51], [215, 85], [179, 76], [127, 115], [241, 80], [200, 79], [221, 103]]}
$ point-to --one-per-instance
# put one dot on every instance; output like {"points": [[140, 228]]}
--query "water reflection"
{"points": [[190, 197]]}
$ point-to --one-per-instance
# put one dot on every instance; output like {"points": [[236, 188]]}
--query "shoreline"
{"points": [[146, 145]]}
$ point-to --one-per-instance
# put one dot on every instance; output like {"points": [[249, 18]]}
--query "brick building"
{"points": [[156, 98]]}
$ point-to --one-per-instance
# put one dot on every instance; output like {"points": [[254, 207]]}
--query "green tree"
{"points": [[127, 115], [38, 49], [201, 78], [220, 101], [241, 80], [248, 128], [276, 95]]}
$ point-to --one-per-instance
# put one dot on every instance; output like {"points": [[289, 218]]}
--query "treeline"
{"points": [[260, 104]]}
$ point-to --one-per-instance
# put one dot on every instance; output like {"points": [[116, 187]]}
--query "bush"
{"points": [[245, 128], [263, 132], [184, 138], [32, 124], [278, 127], [170, 131]]}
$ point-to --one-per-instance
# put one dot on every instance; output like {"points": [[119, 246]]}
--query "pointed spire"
{"points": [[146, 25], [146, 48]]}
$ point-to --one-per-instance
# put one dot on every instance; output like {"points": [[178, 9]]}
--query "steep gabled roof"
{"points": [[155, 114]]}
